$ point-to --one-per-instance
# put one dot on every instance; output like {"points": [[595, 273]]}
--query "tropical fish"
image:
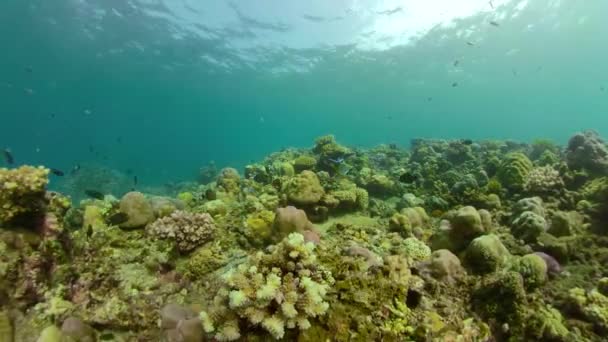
{"points": [[94, 194], [57, 172], [8, 156], [118, 218], [75, 169], [408, 177]]}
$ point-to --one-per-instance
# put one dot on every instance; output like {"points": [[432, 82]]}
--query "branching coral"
{"points": [[278, 290], [22, 191], [544, 180], [188, 230]]}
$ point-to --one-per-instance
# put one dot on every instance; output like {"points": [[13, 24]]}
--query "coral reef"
{"points": [[451, 240]]}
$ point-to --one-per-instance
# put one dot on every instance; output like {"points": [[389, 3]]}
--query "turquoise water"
{"points": [[163, 87]]}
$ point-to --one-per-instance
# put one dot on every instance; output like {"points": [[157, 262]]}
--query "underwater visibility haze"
{"points": [[349, 170]]}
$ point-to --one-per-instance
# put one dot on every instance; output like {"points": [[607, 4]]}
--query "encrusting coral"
{"points": [[22, 192], [279, 290]]}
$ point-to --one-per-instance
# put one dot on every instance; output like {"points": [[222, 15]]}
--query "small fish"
{"points": [[456, 62], [91, 149], [89, 231], [119, 140], [29, 69], [87, 112], [455, 84], [118, 218], [129, 171], [37, 149], [470, 44], [94, 194], [28, 91], [8, 156], [514, 72], [491, 4], [52, 115], [262, 120], [135, 180], [429, 99], [493, 23], [57, 172], [389, 117], [602, 88], [75, 169], [408, 177], [344, 169], [467, 141]]}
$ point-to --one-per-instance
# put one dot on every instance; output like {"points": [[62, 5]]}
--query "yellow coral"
{"points": [[22, 191], [275, 326]]}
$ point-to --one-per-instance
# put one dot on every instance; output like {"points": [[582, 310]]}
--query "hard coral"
{"points": [[278, 290], [304, 189], [22, 192], [188, 230], [587, 151], [513, 171]]}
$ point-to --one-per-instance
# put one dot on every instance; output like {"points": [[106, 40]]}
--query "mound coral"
{"points": [[587, 151], [138, 210], [22, 192], [229, 180], [187, 230], [528, 226], [514, 170], [290, 220], [487, 254], [275, 291], [544, 180], [304, 189]]}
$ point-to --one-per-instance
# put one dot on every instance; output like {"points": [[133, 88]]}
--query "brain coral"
{"points": [[188, 230], [513, 171]]}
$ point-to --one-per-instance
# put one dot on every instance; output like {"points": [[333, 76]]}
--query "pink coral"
{"points": [[291, 219], [188, 230]]}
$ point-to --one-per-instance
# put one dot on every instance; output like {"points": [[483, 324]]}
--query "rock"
{"points": [[445, 266], [487, 254], [139, 210], [304, 189], [77, 330]]}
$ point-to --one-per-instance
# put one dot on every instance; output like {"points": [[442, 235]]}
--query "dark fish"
{"points": [[29, 69], [118, 218], [491, 4], [8, 156], [75, 169], [456, 62], [210, 194], [135, 180], [408, 177], [467, 141], [89, 231], [28, 91], [470, 44], [119, 140], [493, 23], [429, 99], [514, 72], [602, 88], [91, 149], [57, 172], [52, 115], [94, 194], [455, 84], [392, 146], [129, 171]]}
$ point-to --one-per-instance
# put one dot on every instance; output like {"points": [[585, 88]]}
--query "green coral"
{"points": [[259, 227], [416, 250], [487, 254], [546, 324], [22, 192], [501, 296], [592, 305], [528, 226], [304, 189], [276, 291], [532, 268], [304, 162], [514, 170]]}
